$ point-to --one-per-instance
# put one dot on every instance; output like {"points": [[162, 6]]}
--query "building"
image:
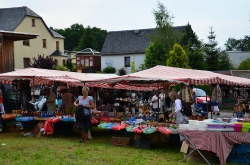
{"points": [[236, 57], [7, 40], [24, 20], [122, 47], [88, 61]]}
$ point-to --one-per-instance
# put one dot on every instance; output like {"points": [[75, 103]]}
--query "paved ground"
{"points": [[223, 113]]}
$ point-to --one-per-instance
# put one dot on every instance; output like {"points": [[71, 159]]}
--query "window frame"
{"points": [[57, 45], [33, 22], [126, 65], [25, 61], [26, 42], [90, 60], [44, 43]]}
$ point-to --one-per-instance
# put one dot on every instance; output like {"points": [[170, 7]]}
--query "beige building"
{"points": [[23, 19]]}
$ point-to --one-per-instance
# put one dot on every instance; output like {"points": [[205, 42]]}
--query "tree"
{"points": [[195, 57], [43, 62], [211, 52], [245, 65], [177, 57], [72, 36], [224, 61], [233, 44], [87, 40], [163, 40]]}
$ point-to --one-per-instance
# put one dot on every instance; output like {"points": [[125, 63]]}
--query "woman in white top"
{"points": [[88, 104], [179, 117]]}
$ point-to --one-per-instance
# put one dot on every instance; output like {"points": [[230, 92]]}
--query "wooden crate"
{"points": [[120, 141]]}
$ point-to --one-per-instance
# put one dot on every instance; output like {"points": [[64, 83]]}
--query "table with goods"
{"points": [[225, 137]]}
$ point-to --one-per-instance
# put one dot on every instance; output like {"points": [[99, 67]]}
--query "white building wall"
{"points": [[236, 57], [118, 62]]}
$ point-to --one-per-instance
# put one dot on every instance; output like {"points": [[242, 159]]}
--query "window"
{"points": [[64, 62], [85, 61], [127, 61], [56, 62], [57, 45], [26, 62], [26, 42], [44, 43], [33, 22]]}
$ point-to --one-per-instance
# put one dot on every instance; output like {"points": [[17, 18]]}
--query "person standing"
{"points": [[88, 104], [1, 109], [155, 102], [179, 117], [51, 99], [162, 100], [68, 100]]}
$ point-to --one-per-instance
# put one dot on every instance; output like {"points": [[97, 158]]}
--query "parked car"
{"points": [[201, 96]]}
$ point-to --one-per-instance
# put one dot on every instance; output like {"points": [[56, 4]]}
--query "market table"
{"points": [[220, 143]]}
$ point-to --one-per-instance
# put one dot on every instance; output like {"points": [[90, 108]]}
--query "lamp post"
{"points": [[193, 47]]}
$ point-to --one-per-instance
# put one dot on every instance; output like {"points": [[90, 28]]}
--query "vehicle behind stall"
{"points": [[202, 102]]}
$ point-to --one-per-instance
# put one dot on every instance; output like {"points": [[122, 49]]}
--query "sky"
{"points": [[228, 18]]}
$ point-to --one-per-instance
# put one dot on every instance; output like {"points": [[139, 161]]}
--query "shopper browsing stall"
{"points": [[87, 104], [179, 117], [162, 100], [51, 99], [68, 100], [155, 102]]}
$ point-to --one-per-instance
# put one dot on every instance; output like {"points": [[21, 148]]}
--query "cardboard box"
{"points": [[195, 156], [120, 141], [11, 129]]}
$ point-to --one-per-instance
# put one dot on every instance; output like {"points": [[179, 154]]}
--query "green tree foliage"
{"points": [[74, 37], [155, 55], [224, 61], [43, 62], [62, 68], [122, 71], [211, 52], [177, 57], [163, 40], [87, 40], [233, 44], [245, 65], [189, 39], [133, 67], [69, 64], [196, 59], [109, 69]]}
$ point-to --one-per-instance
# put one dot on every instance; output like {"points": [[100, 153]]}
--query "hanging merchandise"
{"points": [[187, 93], [216, 94]]}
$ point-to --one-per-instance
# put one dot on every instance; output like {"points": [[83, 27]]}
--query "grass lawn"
{"points": [[60, 150]]}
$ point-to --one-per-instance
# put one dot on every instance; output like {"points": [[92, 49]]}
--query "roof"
{"points": [[10, 19], [58, 53], [181, 75], [241, 73], [18, 35], [129, 41], [87, 51]]}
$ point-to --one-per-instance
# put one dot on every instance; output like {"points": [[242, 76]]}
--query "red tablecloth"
{"points": [[220, 143]]}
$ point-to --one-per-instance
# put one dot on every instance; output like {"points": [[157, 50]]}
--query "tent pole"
{"points": [[210, 101]]}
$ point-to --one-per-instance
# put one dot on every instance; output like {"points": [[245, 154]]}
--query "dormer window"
{"points": [[33, 22]]}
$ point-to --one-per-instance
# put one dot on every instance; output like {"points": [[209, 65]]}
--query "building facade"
{"points": [[23, 19]]}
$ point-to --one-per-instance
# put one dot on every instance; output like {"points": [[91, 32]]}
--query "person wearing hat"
{"points": [[51, 99]]}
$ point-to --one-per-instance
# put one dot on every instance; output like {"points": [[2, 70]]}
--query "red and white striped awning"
{"points": [[160, 73], [121, 86]]}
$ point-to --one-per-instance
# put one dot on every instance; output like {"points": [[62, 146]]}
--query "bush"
{"points": [[122, 71], [109, 69], [63, 68]]}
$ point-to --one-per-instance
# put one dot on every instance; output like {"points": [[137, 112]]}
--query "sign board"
{"points": [[235, 91]]}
